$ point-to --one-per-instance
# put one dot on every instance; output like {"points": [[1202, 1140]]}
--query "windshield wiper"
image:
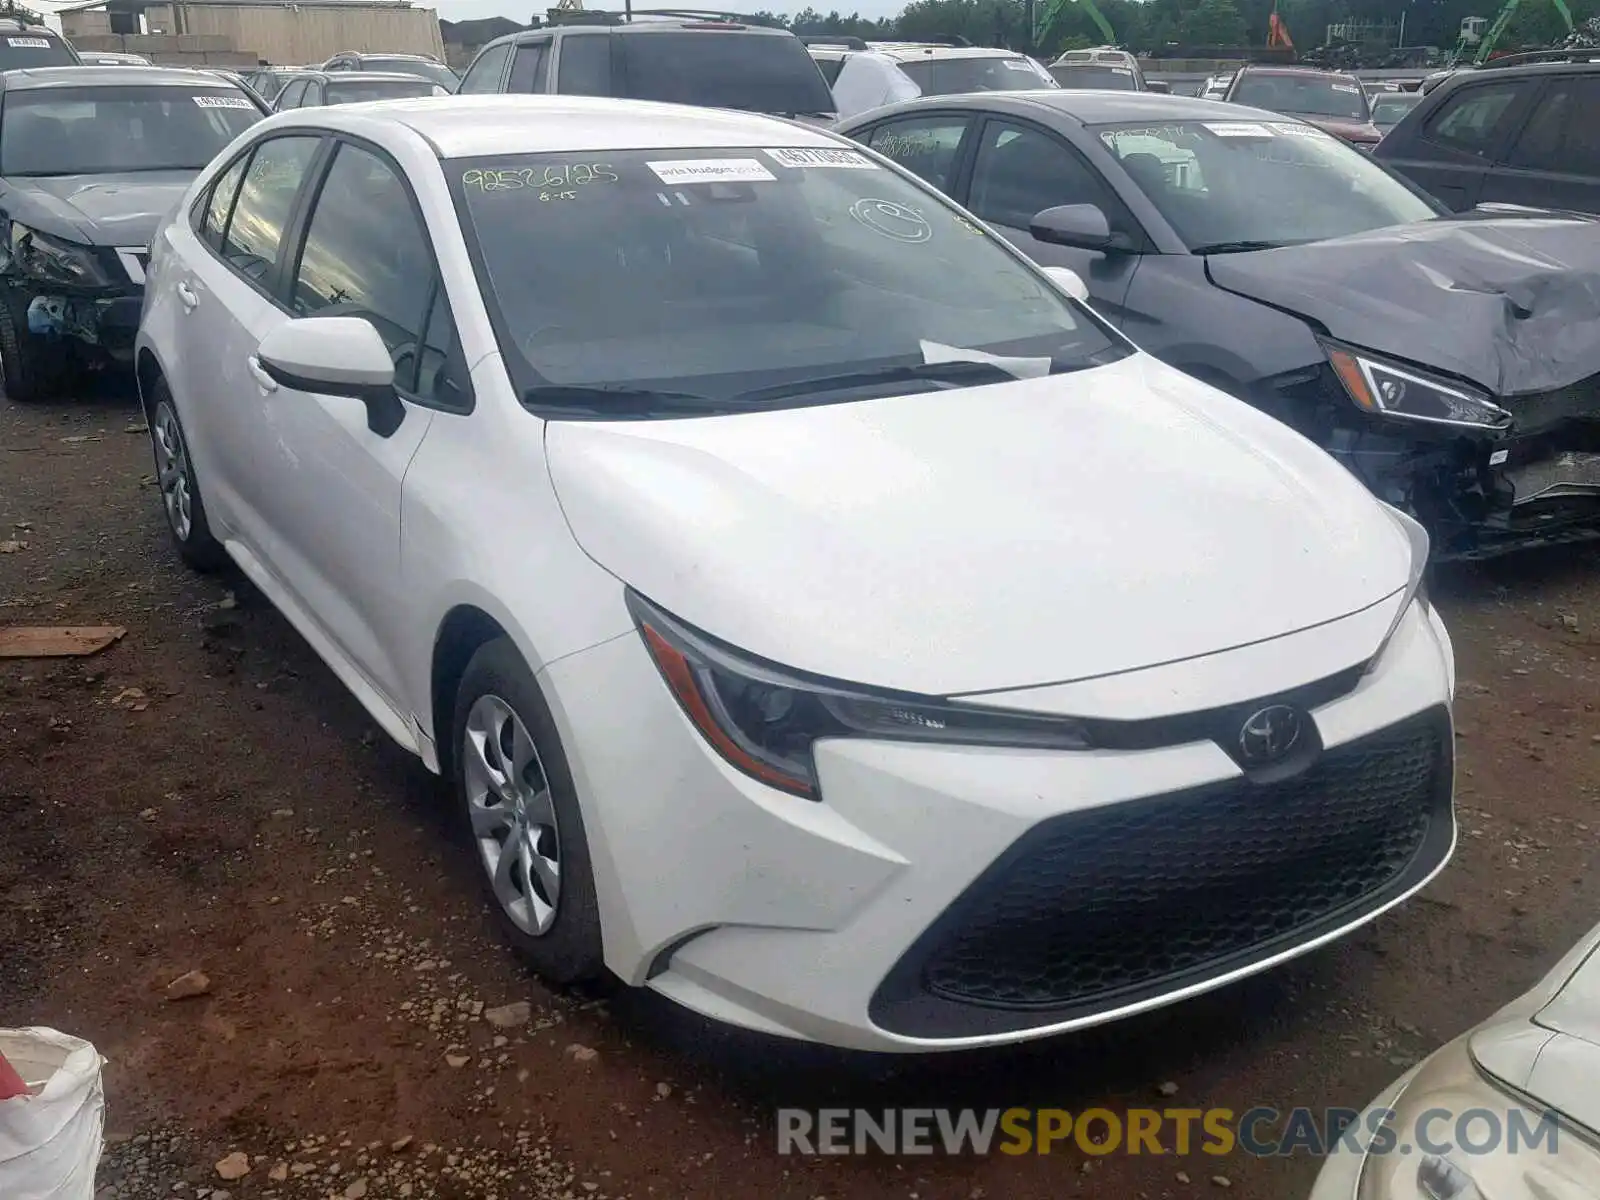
{"points": [[1242, 247], [945, 372], [606, 401]]}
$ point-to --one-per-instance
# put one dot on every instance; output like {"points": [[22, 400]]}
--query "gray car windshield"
{"points": [[111, 130], [1313, 95], [1093, 75], [952, 76], [1388, 108], [1249, 185], [703, 276], [421, 68]]}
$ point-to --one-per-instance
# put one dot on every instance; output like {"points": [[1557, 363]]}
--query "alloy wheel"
{"points": [[513, 815], [172, 472]]}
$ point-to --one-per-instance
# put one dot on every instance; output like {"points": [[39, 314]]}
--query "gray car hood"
{"points": [[1509, 302], [106, 210]]}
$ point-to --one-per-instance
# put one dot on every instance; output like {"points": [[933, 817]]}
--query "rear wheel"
{"points": [[180, 494], [522, 816]]}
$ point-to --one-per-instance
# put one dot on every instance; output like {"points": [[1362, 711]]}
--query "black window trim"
{"points": [[545, 43], [269, 286], [299, 227]]}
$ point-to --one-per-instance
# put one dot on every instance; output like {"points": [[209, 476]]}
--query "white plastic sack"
{"points": [[50, 1141], [870, 80]]}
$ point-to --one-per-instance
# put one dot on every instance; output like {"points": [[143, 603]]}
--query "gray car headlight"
{"points": [[47, 259], [1416, 591], [763, 719], [1390, 389]]}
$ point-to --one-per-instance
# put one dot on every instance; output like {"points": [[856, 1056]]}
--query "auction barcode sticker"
{"points": [[33, 43], [1292, 130], [815, 157], [223, 102], [712, 170]]}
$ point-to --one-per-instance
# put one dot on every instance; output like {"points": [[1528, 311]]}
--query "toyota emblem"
{"points": [[1269, 734]]}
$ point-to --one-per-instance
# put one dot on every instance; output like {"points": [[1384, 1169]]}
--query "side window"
{"points": [[1020, 171], [528, 69], [254, 237], [1473, 118], [292, 94], [925, 146], [313, 97], [1561, 136], [830, 68], [583, 65], [367, 255], [219, 204], [483, 77]]}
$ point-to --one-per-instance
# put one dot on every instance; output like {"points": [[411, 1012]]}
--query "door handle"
{"points": [[263, 381], [186, 296]]}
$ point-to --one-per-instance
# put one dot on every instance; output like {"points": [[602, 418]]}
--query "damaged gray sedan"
{"points": [[1450, 361], [91, 158]]}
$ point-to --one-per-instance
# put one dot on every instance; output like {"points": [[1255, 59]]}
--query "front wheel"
{"points": [[31, 367], [521, 812]]}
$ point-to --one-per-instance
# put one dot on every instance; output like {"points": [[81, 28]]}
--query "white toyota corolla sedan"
{"points": [[823, 619]]}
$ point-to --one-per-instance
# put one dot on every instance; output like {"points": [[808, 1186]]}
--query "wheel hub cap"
{"points": [[172, 472]]}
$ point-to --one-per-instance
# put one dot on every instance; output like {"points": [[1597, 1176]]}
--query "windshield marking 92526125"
{"points": [[734, 279]]}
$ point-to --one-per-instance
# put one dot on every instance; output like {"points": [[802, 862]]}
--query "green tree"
{"points": [[1213, 23]]}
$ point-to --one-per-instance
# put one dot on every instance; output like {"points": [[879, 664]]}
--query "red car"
{"points": [[1332, 102]]}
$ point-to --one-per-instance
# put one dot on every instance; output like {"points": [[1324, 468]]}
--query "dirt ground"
{"points": [[204, 796]]}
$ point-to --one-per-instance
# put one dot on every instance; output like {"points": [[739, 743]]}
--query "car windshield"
{"points": [[704, 275], [358, 90], [1313, 95], [420, 67], [1388, 108], [109, 130], [953, 76], [762, 73], [1093, 75], [1241, 185], [22, 50]]}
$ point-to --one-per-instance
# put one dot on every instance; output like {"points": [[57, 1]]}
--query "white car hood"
{"points": [[983, 538]]}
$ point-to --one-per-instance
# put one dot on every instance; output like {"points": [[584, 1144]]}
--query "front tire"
{"points": [[30, 368], [520, 808], [180, 494]]}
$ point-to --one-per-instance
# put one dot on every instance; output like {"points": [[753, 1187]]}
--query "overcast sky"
{"points": [[456, 10]]}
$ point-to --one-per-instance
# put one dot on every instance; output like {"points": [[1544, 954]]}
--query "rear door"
{"points": [[1019, 169], [1554, 161], [1451, 150]]}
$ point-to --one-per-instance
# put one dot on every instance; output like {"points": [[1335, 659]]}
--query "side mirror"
{"points": [[335, 356], [1069, 281], [1159, 85], [1081, 225]]}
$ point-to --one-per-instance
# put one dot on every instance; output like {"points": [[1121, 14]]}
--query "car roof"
{"points": [[642, 26], [386, 54], [1292, 72], [30, 78], [1088, 106], [470, 126]]}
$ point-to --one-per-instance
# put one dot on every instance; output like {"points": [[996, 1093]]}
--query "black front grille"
{"points": [[1097, 909]]}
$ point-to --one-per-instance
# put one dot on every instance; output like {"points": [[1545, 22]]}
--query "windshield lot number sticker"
{"points": [[1238, 129], [711, 170], [1299, 130], [852, 159], [32, 43], [223, 102]]}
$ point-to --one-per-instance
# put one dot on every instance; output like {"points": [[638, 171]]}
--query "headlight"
{"points": [[1440, 1179], [1416, 577], [48, 259], [764, 719], [1390, 390]]}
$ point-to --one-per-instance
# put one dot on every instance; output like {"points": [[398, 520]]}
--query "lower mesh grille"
{"points": [[1094, 908]]}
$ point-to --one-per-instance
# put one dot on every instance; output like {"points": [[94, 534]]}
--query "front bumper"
{"points": [[894, 915], [97, 323], [1480, 494]]}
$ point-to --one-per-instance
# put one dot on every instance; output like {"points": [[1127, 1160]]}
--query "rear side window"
{"points": [[1562, 136], [292, 95], [583, 65], [219, 204], [764, 73], [830, 68], [1474, 117], [21, 50], [925, 146], [271, 182], [528, 68]]}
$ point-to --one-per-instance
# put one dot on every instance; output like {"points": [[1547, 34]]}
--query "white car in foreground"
{"points": [[824, 619]]}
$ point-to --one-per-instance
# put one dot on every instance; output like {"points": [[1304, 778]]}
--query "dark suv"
{"points": [[709, 63], [23, 46], [1524, 129]]}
